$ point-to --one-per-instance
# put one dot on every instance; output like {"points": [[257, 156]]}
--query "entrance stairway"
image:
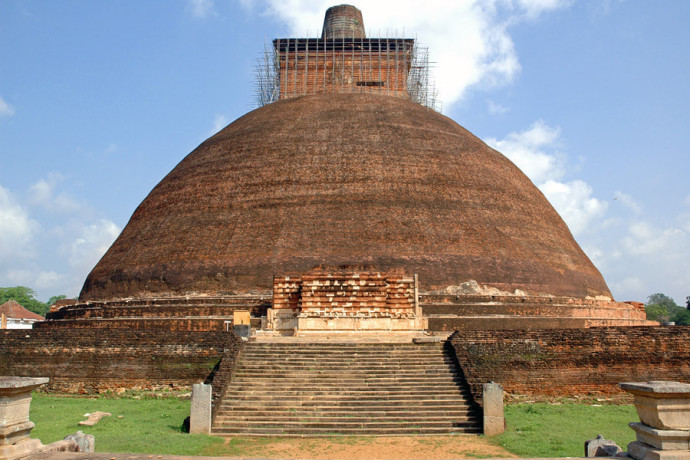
{"points": [[327, 389]]}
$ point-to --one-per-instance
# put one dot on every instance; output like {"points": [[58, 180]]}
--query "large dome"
{"points": [[343, 179]]}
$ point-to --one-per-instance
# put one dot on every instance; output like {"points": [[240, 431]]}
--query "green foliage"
{"points": [[26, 297], [661, 299], [682, 317], [662, 308], [657, 313], [546, 430], [55, 298]]}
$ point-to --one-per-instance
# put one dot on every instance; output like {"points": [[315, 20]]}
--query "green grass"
{"points": [[146, 426], [153, 426], [548, 430]]}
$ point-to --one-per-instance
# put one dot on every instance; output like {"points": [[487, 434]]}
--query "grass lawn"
{"points": [[153, 426], [548, 430], [144, 425]]}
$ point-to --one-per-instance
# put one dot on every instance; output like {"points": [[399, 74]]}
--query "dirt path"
{"points": [[356, 448]]}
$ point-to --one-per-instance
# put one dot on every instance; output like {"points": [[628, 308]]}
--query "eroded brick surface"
{"points": [[562, 362], [91, 360]]}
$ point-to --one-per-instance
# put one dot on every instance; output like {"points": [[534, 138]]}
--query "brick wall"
{"points": [[572, 361], [346, 293], [89, 361], [312, 66]]}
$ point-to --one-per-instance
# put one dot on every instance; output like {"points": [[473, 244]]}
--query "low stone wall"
{"points": [[90, 360], [563, 362]]}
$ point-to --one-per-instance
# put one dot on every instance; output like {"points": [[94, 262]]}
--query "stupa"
{"points": [[345, 169]]}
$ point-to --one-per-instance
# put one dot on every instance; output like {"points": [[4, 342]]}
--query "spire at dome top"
{"points": [[343, 21]]}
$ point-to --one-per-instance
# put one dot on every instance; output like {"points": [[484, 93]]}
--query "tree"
{"points": [[682, 318], [26, 297], [656, 313], [54, 299], [662, 308]]}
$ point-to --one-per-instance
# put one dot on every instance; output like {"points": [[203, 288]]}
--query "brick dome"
{"points": [[343, 179]]}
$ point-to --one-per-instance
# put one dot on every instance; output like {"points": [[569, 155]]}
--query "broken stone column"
{"points": [[200, 417], [492, 400], [15, 427], [664, 410]]}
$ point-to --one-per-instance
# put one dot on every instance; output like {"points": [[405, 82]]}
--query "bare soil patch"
{"points": [[377, 448]]}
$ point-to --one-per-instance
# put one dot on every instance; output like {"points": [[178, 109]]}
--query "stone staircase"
{"points": [[327, 389]]}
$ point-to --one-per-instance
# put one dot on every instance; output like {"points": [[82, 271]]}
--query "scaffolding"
{"points": [[294, 67]]}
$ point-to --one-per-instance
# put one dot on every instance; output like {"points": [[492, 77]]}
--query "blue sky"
{"points": [[99, 100]]}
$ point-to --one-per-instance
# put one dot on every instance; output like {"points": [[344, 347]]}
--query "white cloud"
{"points": [[6, 110], [90, 244], [574, 202], [496, 109], [645, 239], [17, 229], [534, 151], [468, 40], [47, 251], [627, 201], [42, 193], [201, 9], [220, 122]]}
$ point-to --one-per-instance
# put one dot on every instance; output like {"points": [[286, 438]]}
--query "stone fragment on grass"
{"points": [[85, 442], [94, 418], [600, 447]]}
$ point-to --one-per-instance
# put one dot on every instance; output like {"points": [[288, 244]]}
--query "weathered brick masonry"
{"points": [[572, 361], [89, 360]]}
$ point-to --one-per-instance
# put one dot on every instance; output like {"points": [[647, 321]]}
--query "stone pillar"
{"points": [[494, 420], [200, 418], [664, 410], [15, 427]]}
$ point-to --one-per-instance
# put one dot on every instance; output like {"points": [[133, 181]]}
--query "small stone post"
{"points": [[494, 420], [200, 418]]}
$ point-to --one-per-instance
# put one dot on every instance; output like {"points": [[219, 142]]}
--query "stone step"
{"points": [[320, 389], [349, 400], [344, 350], [352, 359], [365, 374], [232, 392], [332, 357], [265, 385], [371, 348], [371, 380], [330, 432], [307, 412], [345, 424], [235, 421], [325, 404], [441, 368]]}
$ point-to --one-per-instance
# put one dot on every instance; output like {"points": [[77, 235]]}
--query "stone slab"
{"points": [[658, 387], [662, 439], [641, 451], [14, 433], [660, 404], [11, 383], [200, 417], [492, 402], [20, 449]]}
